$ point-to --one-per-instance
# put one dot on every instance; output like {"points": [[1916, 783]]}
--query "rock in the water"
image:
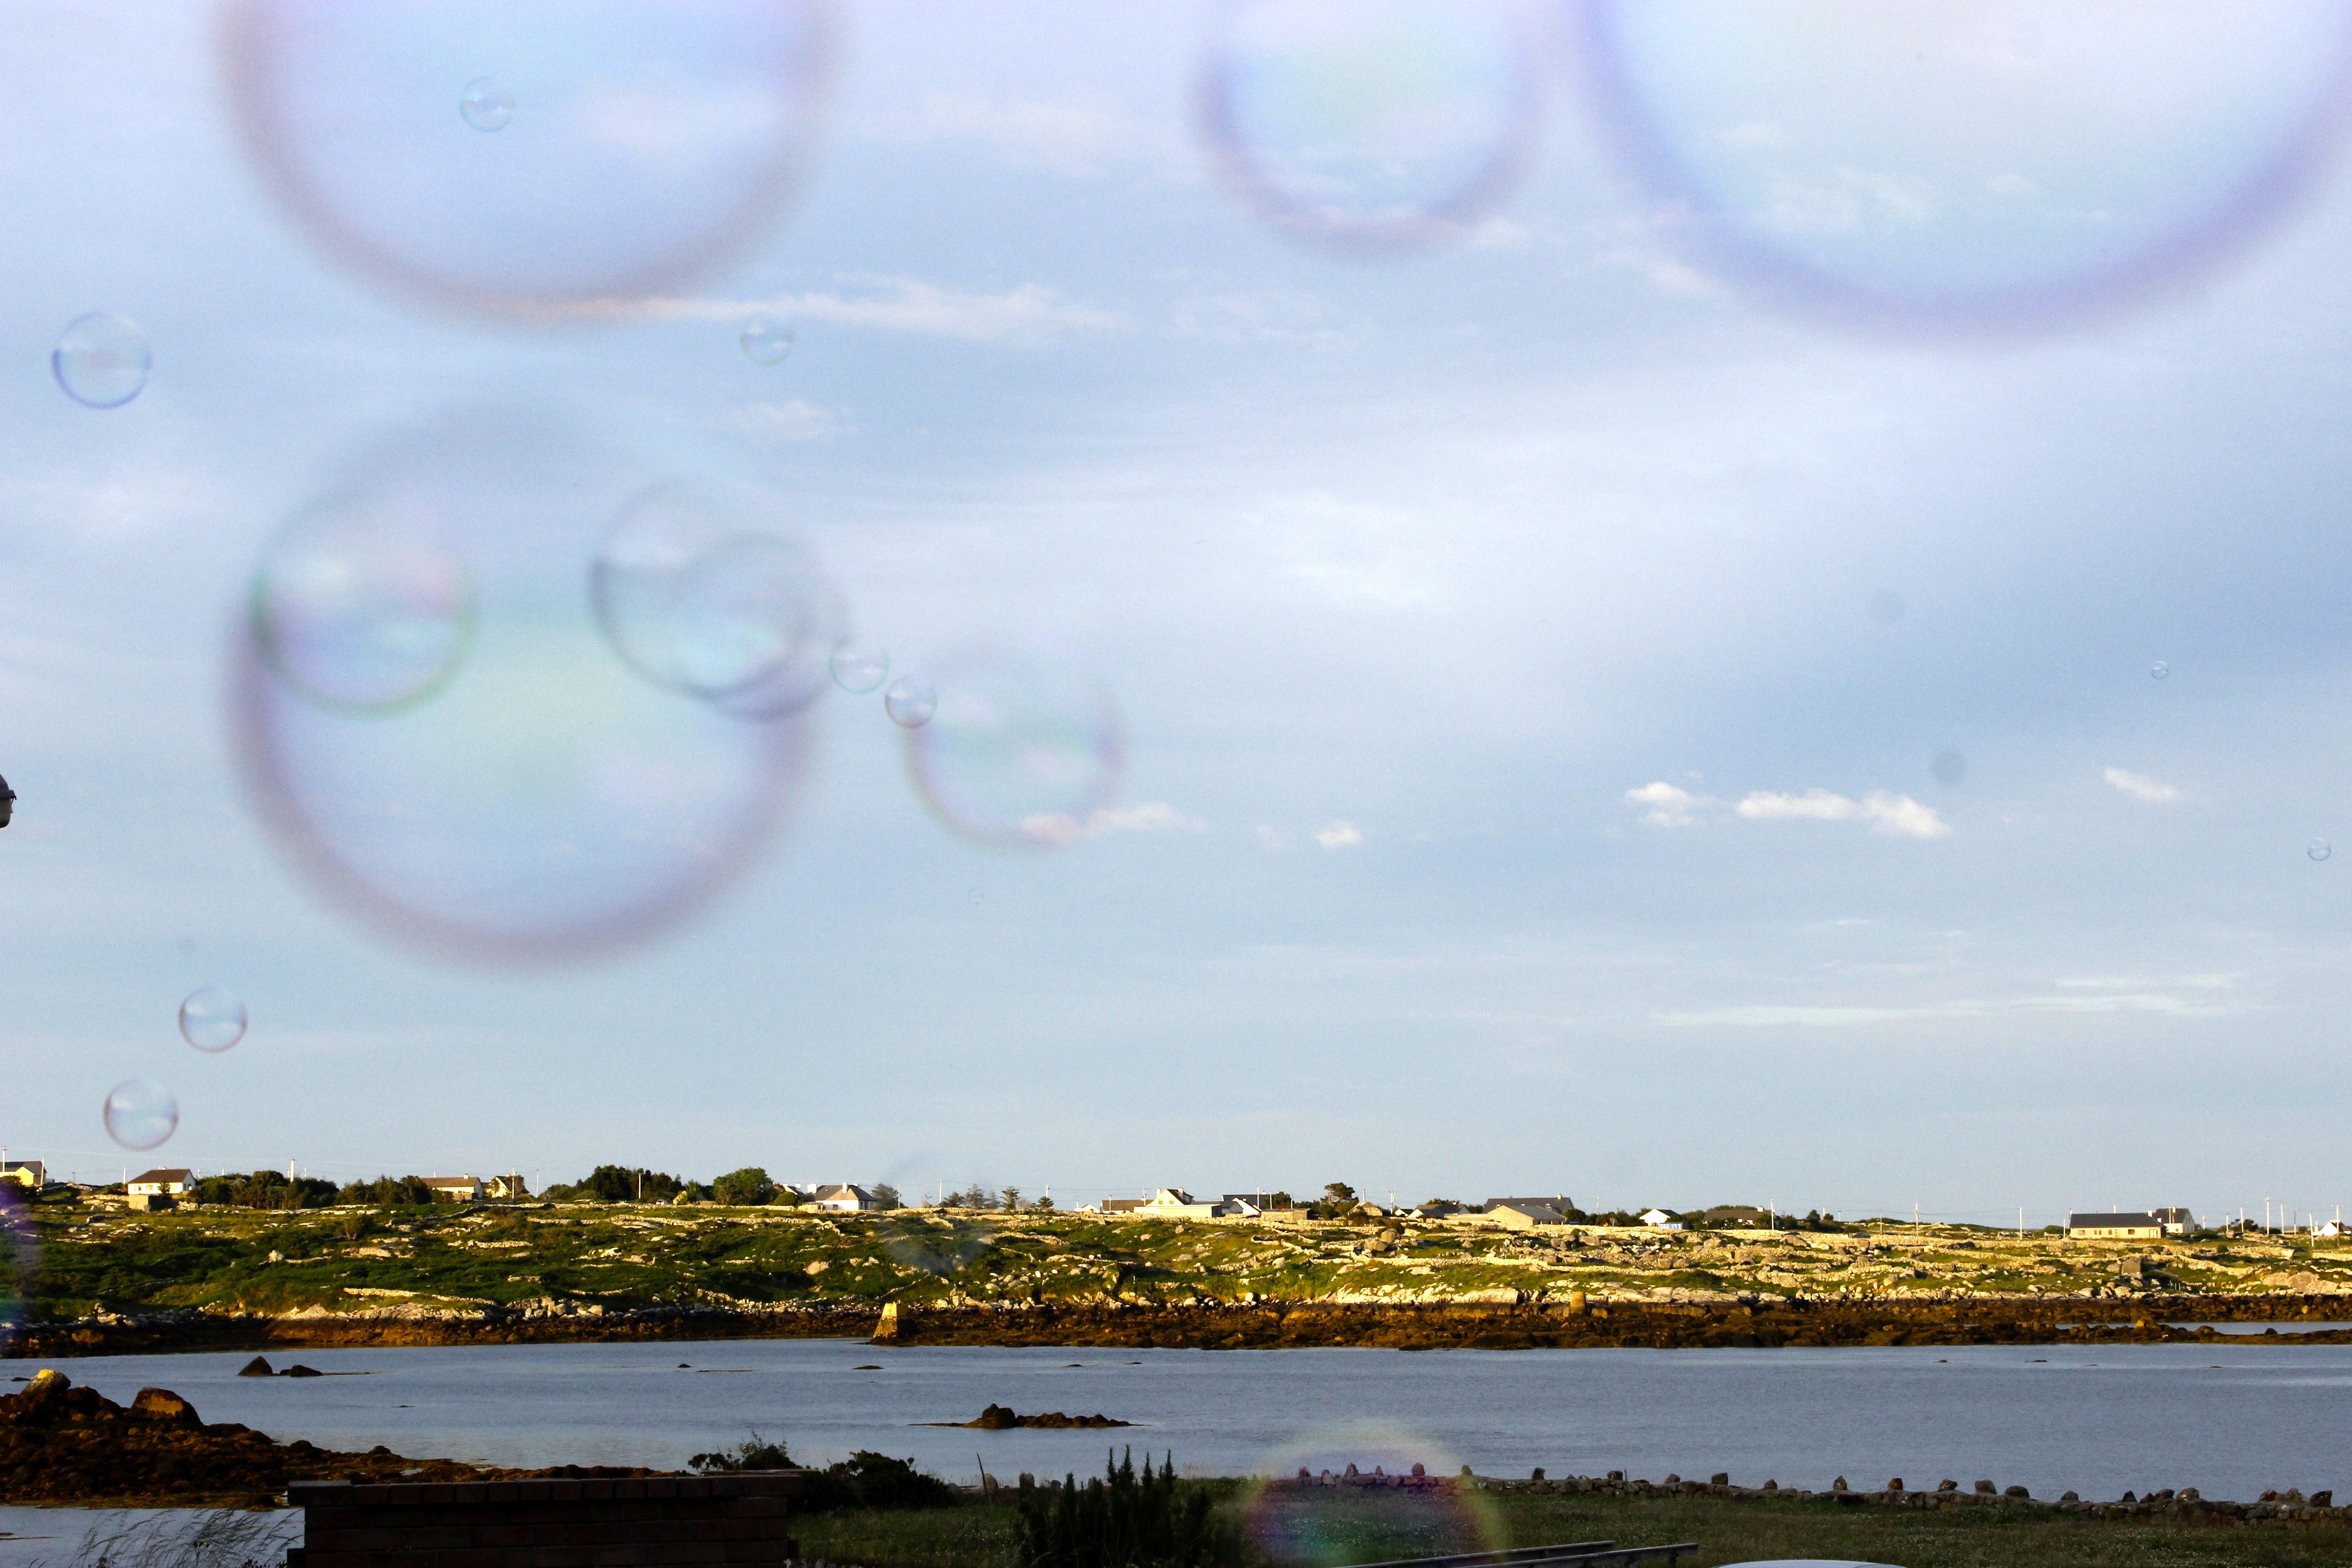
{"points": [[257, 1367], [298, 1370], [163, 1404], [997, 1418]]}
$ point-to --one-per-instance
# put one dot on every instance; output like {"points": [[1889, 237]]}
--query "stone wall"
{"points": [[684, 1522]]}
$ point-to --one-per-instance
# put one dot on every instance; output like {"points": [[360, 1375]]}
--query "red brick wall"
{"points": [[679, 1521]]}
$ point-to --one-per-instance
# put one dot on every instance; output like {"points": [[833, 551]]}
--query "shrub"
{"points": [[865, 1480], [749, 1185], [1121, 1521]]}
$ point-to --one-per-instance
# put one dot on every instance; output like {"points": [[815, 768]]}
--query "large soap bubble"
{"points": [[141, 1113], [1364, 1493], [102, 360], [1969, 163], [1020, 749], [658, 138], [1371, 124], [548, 802], [212, 1018]]}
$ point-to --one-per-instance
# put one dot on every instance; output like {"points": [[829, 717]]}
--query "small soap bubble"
{"points": [[486, 105], [212, 1018], [767, 341], [2319, 849], [910, 703], [141, 1113], [1948, 766], [361, 606], [1316, 1510], [859, 667], [2159, 670], [102, 360]]}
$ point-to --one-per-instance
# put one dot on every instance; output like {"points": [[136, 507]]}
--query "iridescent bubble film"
{"points": [[910, 701], [662, 139], [859, 667], [212, 1018], [486, 105], [1364, 1493], [364, 601], [549, 802], [696, 599], [766, 340], [1369, 122], [141, 1113], [1948, 163], [102, 360], [20, 1260], [1023, 749]]}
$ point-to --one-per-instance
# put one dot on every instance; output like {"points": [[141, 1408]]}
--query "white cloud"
{"points": [[1669, 806], [2139, 787], [1076, 140], [1029, 315], [794, 420], [1339, 836], [1155, 816], [1897, 816]]}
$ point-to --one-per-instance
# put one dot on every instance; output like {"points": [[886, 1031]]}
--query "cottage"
{"points": [[454, 1189], [507, 1188], [845, 1197], [1659, 1219], [25, 1173], [2114, 1227], [160, 1189], [1524, 1213], [1560, 1203], [1440, 1208], [1175, 1203]]}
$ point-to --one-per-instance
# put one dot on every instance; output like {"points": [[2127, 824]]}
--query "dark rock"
{"points": [[1986, 1489], [1896, 1484], [298, 1370], [1948, 1484], [1838, 1485], [163, 1404], [1536, 1473], [1721, 1479], [2128, 1497], [2318, 1499], [257, 1367], [2072, 1497], [2017, 1491]]}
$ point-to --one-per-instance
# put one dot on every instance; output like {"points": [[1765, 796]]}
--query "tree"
{"points": [[749, 1185], [886, 1196], [1121, 1521], [1339, 1192], [1010, 1198], [1045, 1203]]}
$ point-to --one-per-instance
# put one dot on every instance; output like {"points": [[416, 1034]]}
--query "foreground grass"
{"points": [[981, 1536]]}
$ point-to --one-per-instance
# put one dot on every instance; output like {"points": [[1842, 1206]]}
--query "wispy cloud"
{"points": [[2139, 787], [2203, 1001], [1028, 316], [1154, 816], [1897, 816], [1669, 805], [1078, 140], [794, 420], [1339, 836]]}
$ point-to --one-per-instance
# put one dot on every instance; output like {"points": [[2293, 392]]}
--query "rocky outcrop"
{"points": [[1001, 1418]]}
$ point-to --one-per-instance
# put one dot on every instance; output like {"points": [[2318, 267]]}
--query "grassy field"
{"points": [[621, 1255], [981, 1536]]}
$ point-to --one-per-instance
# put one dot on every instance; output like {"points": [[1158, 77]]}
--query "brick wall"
{"points": [[667, 1521]]}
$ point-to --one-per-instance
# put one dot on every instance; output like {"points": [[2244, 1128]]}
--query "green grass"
{"points": [[1727, 1532]]}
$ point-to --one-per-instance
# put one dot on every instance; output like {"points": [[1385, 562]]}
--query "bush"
{"points": [[386, 1190], [749, 1185], [865, 1480], [1121, 1521], [265, 1190]]}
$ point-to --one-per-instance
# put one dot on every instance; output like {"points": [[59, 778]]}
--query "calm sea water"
{"points": [[2232, 1420]]}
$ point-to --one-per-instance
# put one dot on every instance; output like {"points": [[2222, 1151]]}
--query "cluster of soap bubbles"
{"points": [[1950, 163], [141, 1113], [637, 147], [1368, 1492]]}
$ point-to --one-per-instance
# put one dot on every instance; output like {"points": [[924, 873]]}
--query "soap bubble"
{"points": [[2159, 670], [1969, 163], [695, 599], [486, 105], [662, 141], [858, 668], [141, 1113], [212, 1018], [1370, 123], [766, 340], [910, 701], [1948, 766], [547, 804], [2319, 849], [102, 360], [1364, 1493], [20, 1260], [362, 604], [1021, 750]]}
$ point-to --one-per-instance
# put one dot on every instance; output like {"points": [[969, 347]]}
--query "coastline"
{"points": [[1259, 1325]]}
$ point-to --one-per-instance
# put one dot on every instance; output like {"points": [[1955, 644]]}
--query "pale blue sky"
{"points": [[1456, 549]]}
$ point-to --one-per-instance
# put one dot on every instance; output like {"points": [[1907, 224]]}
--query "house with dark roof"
{"points": [[160, 1189], [1524, 1213], [2147, 1227]]}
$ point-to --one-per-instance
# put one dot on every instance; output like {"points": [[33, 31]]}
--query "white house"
{"points": [[844, 1197], [509, 1186], [1659, 1219], [454, 1189], [1175, 1203], [168, 1184]]}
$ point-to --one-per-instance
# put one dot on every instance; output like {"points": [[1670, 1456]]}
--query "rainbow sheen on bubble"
{"points": [[212, 1018], [141, 1113], [20, 1261], [910, 701], [1369, 124], [1968, 164], [486, 105], [102, 360], [363, 603], [1364, 1493], [859, 667], [1023, 749], [766, 340], [550, 803], [662, 141]]}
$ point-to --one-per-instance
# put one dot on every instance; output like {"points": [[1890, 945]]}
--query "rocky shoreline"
{"points": [[1223, 1325]]}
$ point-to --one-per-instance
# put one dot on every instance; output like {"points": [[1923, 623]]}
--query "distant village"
{"points": [[170, 1187]]}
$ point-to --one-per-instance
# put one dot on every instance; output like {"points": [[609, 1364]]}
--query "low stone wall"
{"points": [[2290, 1507], [684, 1522]]}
